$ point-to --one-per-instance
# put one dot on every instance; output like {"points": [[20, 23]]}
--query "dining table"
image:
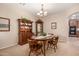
{"points": [[44, 39]]}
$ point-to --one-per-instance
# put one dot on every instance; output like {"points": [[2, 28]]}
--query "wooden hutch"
{"points": [[25, 30]]}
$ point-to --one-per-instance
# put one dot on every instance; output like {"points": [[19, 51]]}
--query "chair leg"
{"points": [[36, 54], [54, 49], [29, 52], [56, 46], [47, 46], [42, 51], [51, 45]]}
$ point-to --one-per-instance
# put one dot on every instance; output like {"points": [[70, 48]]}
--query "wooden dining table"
{"points": [[44, 40]]}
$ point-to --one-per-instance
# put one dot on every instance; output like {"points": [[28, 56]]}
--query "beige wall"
{"points": [[12, 11], [62, 22]]}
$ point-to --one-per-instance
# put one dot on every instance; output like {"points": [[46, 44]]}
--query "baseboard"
{"points": [[8, 46]]}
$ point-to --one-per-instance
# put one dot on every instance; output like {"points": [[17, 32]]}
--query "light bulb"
{"points": [[45, 13], [38, 13], [41, 11]]}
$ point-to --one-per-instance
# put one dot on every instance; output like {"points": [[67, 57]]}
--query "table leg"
{"points": [[44, 42]]}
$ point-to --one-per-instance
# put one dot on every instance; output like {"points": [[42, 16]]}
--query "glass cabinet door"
{"points": [[39, 27]]}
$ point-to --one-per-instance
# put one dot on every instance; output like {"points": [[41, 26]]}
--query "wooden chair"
{"points": [[53, 43], [35, 47]]}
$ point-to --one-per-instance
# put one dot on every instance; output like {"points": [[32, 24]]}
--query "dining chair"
{"points": [[35, 47], [53, 43]]}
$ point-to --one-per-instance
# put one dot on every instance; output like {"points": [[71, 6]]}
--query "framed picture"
{"points": [[4, 24], [53, 25]]}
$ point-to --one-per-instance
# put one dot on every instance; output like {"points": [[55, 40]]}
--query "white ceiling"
{"points": [[33, 8], [51, 8]]}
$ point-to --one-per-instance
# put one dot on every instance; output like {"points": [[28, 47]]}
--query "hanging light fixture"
{"points": [[42, 13]]}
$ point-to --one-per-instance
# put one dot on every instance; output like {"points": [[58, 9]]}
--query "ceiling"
{"points": [[51, 8], [33, 8]]}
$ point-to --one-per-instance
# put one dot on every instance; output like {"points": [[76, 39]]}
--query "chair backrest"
{"points": [[32, 43], [55, 40]]}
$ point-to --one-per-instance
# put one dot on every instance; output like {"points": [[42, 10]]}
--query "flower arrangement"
{"points": [[43, 34], [26, 20]]}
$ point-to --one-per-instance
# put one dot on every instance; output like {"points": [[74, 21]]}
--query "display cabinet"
{"points": [[39, 27], [74, 28], [25, 30]]}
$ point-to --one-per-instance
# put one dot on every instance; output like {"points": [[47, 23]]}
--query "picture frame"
{"points": [[4, 24], [53, 25]]}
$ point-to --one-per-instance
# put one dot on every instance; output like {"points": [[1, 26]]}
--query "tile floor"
{"points": [[69, 47]]}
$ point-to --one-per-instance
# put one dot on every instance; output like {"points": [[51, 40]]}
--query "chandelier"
{"points": [[42, 13]]}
